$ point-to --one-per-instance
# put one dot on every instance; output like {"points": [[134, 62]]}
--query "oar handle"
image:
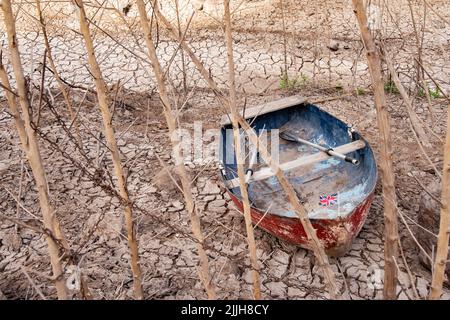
{"points": [[333, 153], [249, 171]]}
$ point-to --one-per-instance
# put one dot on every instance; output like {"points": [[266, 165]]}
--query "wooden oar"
{"points": [[291, 136]]}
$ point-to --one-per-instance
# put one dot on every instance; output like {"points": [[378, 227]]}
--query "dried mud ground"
{"points": [[92, 218]]}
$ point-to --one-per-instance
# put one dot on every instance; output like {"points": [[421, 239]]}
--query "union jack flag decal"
{"points": [[327, 201]]}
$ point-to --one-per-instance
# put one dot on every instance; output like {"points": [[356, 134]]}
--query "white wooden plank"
{"points": [[266, 108], [266, 172]]}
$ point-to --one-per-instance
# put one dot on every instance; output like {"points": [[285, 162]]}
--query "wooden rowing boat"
{"points": [[336, 194]]}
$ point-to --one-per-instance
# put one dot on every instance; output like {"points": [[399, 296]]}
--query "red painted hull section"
{"points": [[336, 235]]}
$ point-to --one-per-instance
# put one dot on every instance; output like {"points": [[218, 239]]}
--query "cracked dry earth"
{"points": [[92, 218], [258, 45]]}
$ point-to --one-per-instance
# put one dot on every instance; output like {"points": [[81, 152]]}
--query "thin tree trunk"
{"points": [[444, 226], [31, 148], [204, 272], [112, 145], [239, 155], [287, 187], [56, 73], [386, 167]]}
